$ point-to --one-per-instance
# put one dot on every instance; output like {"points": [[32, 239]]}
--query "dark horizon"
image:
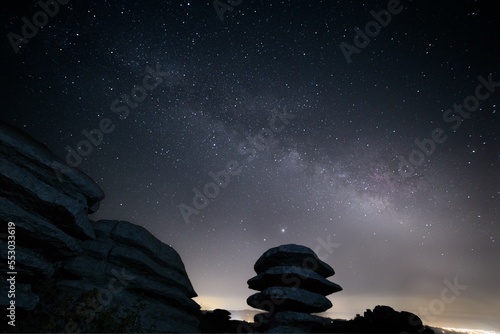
{"points": [[367, 132]]}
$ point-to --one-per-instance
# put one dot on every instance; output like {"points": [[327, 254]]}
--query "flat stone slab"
{"points": [[293, 277], [293, 255], [41, 231], [23, 150], [276, 299], [294, 322]]}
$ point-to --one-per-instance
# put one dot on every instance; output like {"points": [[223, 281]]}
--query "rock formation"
{"points": [[75, 274], [384, 319], [292, 283]]}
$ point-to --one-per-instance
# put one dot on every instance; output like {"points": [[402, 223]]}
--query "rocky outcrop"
{"points": [[75, 274], [383, 319], [292, 283], [219, 321]]}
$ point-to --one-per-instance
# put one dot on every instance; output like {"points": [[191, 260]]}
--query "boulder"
{"points": [[116, 278], [300, 319], [75, 274], [23, 150], [137, 261], [129, 234], [275, 299], [292, 281], [290, 318], [293, 277], [143, 313], [293, 255], [40, 232], [66, 212]]}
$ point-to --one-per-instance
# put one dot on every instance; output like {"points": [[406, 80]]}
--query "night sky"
{"points": [[304, 131]]}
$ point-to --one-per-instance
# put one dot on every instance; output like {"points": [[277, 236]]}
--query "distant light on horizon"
{"points": [[470, 331]]}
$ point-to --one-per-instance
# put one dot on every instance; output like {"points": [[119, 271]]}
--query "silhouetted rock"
{"points": [[23, 150], [292, 282], [218, 321], [42, 233], [295, 256], [137, 237], [383, 319], [76, 275], [295, 322], [292, 277], [275, 299]]}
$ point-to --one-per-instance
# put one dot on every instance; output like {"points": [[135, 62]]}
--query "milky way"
{"points": [[329, 179]]}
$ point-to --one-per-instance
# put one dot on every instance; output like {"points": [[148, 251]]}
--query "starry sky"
{"points": [[304, 130]]}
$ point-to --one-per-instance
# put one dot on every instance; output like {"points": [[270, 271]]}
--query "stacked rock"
{"points": [[292, 284]]}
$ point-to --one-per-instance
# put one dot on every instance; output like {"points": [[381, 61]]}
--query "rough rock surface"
{"points": [[295, 256], [292, 282], [293, 277], [74, 274], [296, 322], [276, 299]]}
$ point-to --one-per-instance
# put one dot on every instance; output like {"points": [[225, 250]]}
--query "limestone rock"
{"points": [[135, 236], [23, 150], [77, 275], [292, 255], [292, 281], [293, 277], [295, 322], [66, 212], [149, 314], [289, 299], [40, 232]]}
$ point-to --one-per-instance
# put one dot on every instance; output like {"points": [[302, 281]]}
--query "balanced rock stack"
{"points": [[75, 274], [292, 284]]}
